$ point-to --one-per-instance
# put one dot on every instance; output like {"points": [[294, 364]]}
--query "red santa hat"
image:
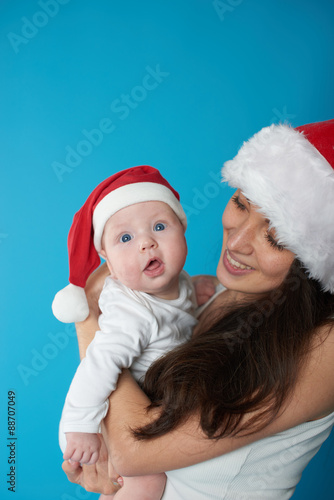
{"points": [[289, 174], [125, 188]]}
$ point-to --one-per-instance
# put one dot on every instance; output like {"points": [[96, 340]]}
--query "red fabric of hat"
{"points": [[321, 136]]}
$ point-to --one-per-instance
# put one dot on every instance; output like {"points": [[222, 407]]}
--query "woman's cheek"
{"points": [[277, 266]]}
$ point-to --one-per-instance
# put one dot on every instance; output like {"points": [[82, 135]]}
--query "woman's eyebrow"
{"points": [[245, 196], [267, 221]]}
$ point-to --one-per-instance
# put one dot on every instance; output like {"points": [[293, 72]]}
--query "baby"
{"points": [[134, 220]]}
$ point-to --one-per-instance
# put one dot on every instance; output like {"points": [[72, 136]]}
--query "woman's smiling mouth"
{"points": [[233, 266]]}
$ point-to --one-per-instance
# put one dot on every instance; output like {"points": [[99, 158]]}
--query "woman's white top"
{"points": [[267, 469]]}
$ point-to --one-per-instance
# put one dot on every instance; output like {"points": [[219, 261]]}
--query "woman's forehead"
{"points": [[258, 209]]}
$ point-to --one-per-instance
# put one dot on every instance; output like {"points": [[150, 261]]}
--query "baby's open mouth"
{"points": [[154, 267], [153, 264]]}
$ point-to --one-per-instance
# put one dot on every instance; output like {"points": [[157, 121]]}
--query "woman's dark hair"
{"points": [[248, 361]]}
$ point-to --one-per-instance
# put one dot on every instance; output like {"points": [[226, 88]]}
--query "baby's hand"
{"points": [[204, 288], [82, 447]]}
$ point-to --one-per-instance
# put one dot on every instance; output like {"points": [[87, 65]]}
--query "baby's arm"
{"points": [[82, 447], [114, 347]]}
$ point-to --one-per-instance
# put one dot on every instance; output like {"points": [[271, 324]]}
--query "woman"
{"points": [[238, 412]]}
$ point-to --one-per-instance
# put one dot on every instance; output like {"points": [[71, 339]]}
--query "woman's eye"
{"points": [[159, 226], [238, 203], [273, 242], [125, 238]]}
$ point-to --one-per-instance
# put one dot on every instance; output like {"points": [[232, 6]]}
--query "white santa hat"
{"points": [[289, 174], [125, 188]]}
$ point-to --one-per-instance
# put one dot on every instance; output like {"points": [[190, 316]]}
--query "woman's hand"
{"points": [[98, 478], [87, 329], [94, 287], [205, 288]]}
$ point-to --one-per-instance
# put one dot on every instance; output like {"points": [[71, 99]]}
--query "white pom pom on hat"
{"points": [[125, 188], [289, 174]]}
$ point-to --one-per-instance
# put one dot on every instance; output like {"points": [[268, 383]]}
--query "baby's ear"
{"points": [[103, 254]]}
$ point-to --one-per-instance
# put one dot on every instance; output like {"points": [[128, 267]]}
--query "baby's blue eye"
{"points": [[159, 226], [125, 238]]}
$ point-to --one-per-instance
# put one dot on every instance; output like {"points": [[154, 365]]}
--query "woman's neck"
{"points": [[218, 308]]}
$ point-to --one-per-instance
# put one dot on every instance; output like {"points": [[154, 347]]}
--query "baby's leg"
{"points": [[142, 488]]}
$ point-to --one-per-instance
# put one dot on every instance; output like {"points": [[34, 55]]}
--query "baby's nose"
{"points": [[147, 244]]}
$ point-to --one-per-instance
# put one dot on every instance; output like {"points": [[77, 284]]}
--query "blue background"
{"points": [[218, 73]]}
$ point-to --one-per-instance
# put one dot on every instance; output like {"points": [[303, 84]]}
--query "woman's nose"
{"points": [[241, 238], [147, 243]]}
